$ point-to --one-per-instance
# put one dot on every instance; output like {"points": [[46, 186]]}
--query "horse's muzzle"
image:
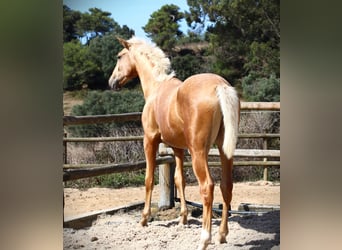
{"points": [[114, 84]]}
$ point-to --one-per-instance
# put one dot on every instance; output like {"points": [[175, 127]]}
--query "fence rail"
{"points": [[80, 120], [103, 139], [260, 105], [237, 153], [74, 172], [136, 116], [141, 137]]}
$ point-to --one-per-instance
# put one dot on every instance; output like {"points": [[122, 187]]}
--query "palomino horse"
{"points": [[194, 114]]}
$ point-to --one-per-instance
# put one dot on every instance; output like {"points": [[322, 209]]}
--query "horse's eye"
{"points": [[118, 57]]}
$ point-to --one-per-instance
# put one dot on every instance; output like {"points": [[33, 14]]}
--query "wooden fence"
{"points": [[165, 160]]}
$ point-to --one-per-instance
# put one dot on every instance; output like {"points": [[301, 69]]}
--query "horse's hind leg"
{"points": [[226, 190], [180, 184], [150, 148], [201, 170]]}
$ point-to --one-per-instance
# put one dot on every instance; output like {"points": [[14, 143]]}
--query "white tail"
{"points": [[230, 104]]}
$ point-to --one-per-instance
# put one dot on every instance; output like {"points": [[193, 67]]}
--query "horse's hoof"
{"points": [[183, 221], [220, 239], [143, 222], [202, 246], [205, 240]]}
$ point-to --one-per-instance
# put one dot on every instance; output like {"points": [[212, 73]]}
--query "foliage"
{"points": [[90, 65], [191, 38], [187, 65], [78, 69], [264, 89], [242, 44], [244, 40], [77, 25], [163, 27], [120, 180], [70, 18], [94, 24], [103, 50], [244, 35], [106, 102]]}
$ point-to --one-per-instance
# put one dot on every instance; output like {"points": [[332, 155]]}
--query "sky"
{"points": [[133, 13]]}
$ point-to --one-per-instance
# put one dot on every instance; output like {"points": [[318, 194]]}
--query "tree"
{"points": [[94, 24], [244, 35], [163, 27], [70, 17], [187, 65], [78, 69], [103, 50], [91, 64]]}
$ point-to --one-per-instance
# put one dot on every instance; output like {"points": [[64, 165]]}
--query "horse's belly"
{"points": [[174, 139]]}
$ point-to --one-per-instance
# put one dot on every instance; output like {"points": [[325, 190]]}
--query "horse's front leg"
{"points": [[180, 184], [150, 148]]}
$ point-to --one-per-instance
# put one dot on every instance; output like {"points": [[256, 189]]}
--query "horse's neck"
{"points": [[148, 81]]}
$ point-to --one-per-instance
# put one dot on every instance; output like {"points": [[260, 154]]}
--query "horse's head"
{"points": [[125, 67]]}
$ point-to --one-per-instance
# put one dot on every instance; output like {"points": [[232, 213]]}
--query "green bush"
{"points": [[261, 89], [127, 179], [106, 102], [121, 180]]}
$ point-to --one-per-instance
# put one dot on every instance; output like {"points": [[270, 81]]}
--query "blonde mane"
{"points": [[161, 64]]}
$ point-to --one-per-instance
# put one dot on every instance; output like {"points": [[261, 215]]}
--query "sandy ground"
{"points": [[122, 231]]}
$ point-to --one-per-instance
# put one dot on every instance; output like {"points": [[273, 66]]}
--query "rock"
{"points": [[94, 238]]}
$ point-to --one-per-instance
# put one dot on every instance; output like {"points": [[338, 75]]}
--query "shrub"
{"points": [[261, 89], [106, 102]]}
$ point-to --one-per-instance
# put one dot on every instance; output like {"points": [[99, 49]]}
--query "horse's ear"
{"points": [[123, 42]]}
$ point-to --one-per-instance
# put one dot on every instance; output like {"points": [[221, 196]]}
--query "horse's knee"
{"points": [[207, 191]]}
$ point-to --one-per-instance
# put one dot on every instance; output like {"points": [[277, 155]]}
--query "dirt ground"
{"points": [[122, 231], [69, 101]]}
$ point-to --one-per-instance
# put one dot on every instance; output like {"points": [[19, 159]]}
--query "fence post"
{"points": [[166, 183], [65, 161], [65, 152], [265, 159]]}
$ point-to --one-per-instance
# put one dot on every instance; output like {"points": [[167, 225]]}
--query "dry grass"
{"points": [[70, 100]]}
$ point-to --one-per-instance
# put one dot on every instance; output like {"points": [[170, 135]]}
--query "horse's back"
{"points": [[200, 89], [205, 80]]}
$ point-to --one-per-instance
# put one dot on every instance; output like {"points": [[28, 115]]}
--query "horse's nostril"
{"points": [[113, 83]]}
